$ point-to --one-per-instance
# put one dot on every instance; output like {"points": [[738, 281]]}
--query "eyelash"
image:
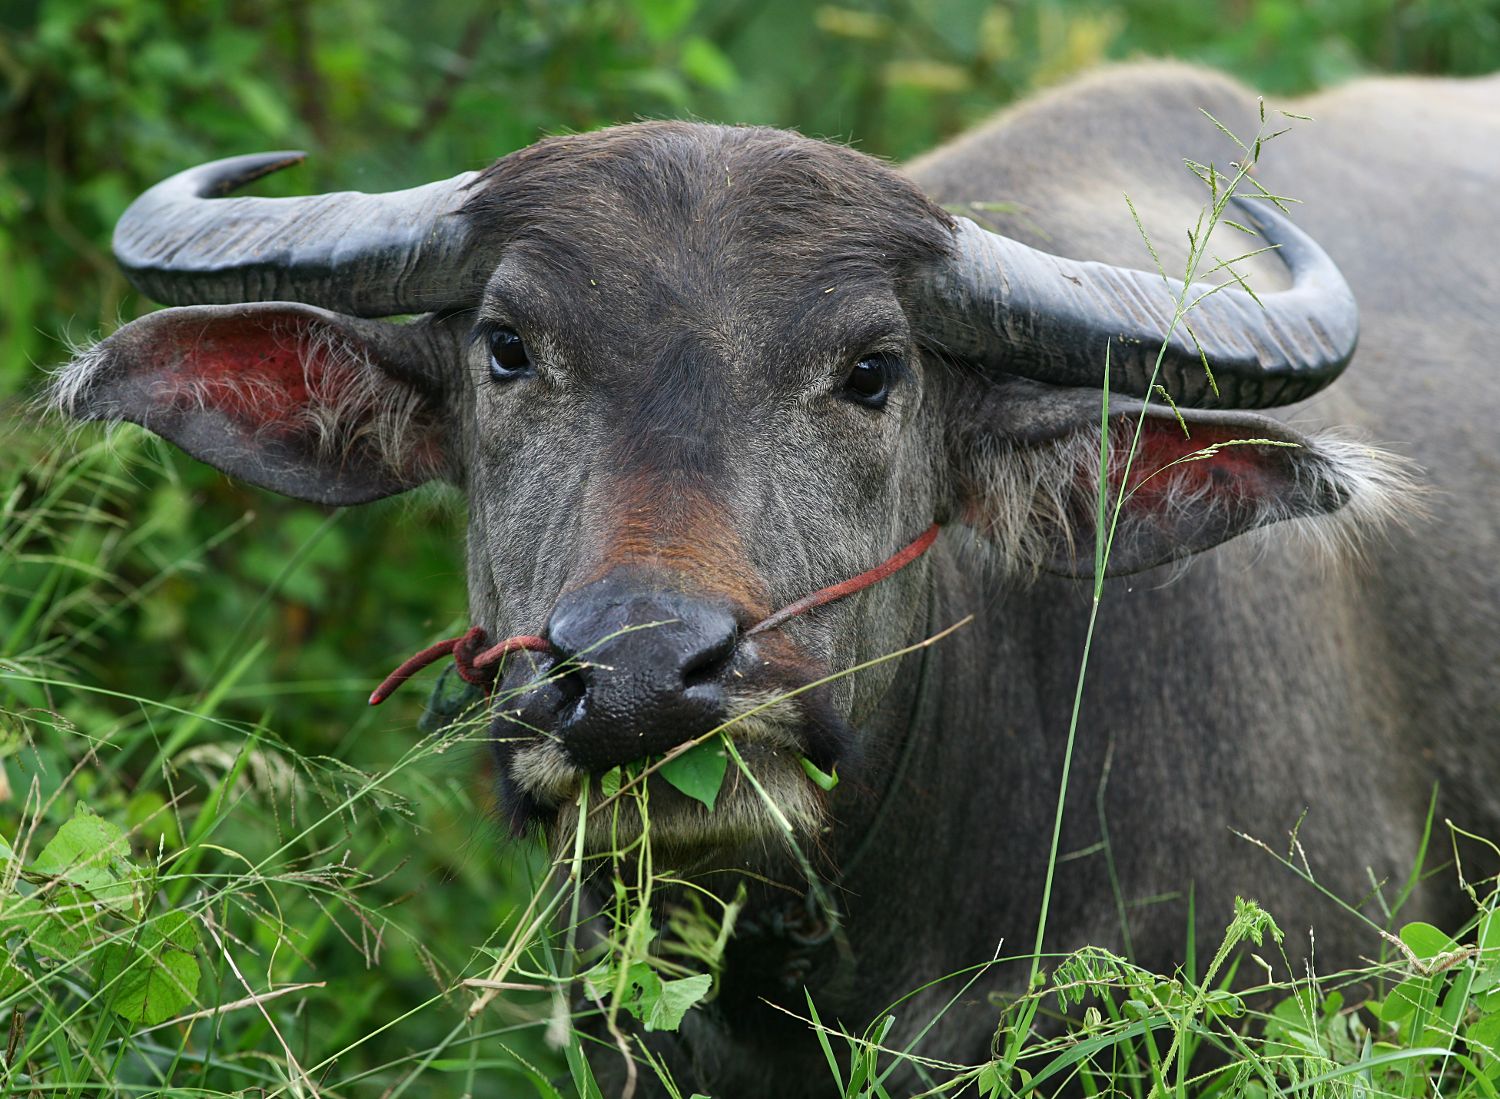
{"points": [[502, 343]]}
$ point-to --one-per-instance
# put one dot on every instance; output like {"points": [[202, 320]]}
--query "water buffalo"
{"points": [[688, 373]]}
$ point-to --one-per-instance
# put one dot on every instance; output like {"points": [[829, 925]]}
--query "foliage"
{"points": [[699, 772], [218, 872], [1149, 1034], [104, 97], [81, 900], [186, 900]]}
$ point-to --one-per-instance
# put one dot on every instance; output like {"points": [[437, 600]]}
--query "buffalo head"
{"points": [[686, 374]]}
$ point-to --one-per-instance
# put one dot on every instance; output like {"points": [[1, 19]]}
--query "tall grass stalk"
{"points": [[1110, 506]]}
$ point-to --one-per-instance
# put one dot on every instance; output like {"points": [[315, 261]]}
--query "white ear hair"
{"points": [[1034, 502], [351, 402], [352, 405]]}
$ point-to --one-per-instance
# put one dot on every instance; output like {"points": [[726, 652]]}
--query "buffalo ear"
{"points": [[304, 402], [1028, 458]]}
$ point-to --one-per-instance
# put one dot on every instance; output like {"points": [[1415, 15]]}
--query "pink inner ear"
{"points": [[253, 371], [1239, 471]]}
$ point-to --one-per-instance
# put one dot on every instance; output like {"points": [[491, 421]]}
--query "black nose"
{"points": [[647, 670]]}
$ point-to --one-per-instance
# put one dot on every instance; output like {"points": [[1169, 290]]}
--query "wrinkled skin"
{"points": [[708, 447], [693, 308]]}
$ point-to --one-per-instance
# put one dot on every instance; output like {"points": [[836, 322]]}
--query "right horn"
{"points": [[1014, 309], [181, 243]]}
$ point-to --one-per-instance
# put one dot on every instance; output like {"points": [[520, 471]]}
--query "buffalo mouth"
{"points": [[765, 801]]}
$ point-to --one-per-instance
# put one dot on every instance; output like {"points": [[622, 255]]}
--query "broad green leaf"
{"points": [[154, 978], [1486, 979], [1407, 997], [18, 913], [1425, 940], [1485, 1031], [12, 977], [1224, 1002], [1489, 929], [659, 1004], [93, 854], [822, 779], [673, 1000], [641, 987], [1432, 1037], [148, 812], [1458, 998], [699, 772], [609, 782], [62, 929], [1488, 941]]}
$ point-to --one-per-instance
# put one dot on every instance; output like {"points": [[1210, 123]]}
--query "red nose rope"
{"points": [[481, 666]]}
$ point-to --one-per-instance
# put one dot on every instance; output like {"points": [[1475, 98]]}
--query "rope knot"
{"points": [[466, 654], [475, 665]]}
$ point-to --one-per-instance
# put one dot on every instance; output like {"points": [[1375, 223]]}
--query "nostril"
{"points": [[710, 662], [571, 688]]}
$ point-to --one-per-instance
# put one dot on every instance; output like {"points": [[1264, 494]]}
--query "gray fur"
{"points": [[693, 297]]}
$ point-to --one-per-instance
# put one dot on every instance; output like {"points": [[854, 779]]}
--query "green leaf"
{"points": [[609, 782], [822, 779], [93, 854], [62, 929], [12, 977], [1488, 939], [705, 64], [148, 812], [699, 771], [1407, 997], [1486, 979], [664, 85], [155, 977], [1425, 940], [1484, 1031], [261, 105], [659, 1004], [1226, 1003], [673, 1000], [1458, 998], [664, 18]]}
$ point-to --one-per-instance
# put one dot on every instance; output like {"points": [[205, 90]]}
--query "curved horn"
{"points": [[1021, 311], [180, 243]]}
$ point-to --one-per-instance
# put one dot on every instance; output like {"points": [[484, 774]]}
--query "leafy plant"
{"points": [[181, 658], [82, 899]]}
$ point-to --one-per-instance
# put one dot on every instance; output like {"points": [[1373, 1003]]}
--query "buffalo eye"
{"points": [[508, 355], [869, 382]]}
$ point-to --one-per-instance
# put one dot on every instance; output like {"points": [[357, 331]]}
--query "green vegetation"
{"points": [[218, 870]]}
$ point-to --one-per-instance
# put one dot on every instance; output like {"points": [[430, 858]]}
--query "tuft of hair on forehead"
{"points": [[740, 191]]}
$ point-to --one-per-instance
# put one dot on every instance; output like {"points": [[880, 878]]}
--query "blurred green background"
{"points": [[157, 578]]}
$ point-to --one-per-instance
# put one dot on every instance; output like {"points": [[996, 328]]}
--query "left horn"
{"points": [[1014, 309], [180, 243]]}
